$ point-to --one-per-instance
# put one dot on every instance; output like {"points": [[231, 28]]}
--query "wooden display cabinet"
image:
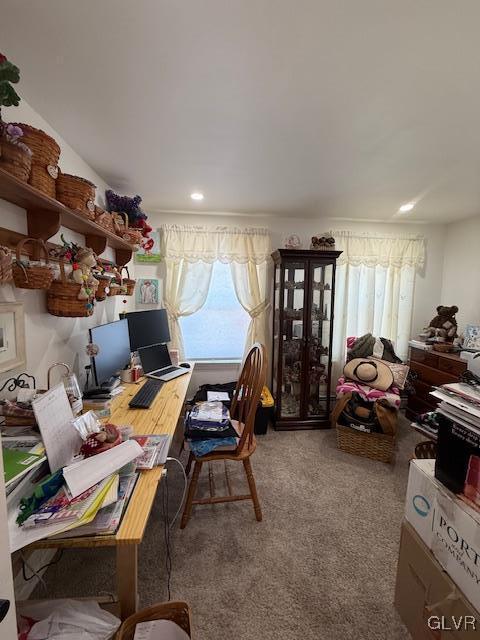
{"points": [[303, 301]]}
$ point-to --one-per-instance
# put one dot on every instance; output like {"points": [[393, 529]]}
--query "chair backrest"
{"points": [[248, 391]]}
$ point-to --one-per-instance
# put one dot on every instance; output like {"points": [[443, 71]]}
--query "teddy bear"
{"points": [[443, 328], [85, 261]]}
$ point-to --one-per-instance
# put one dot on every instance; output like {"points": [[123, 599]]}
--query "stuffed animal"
{"points": [[323, 243], [82, 274], [443, 328]]}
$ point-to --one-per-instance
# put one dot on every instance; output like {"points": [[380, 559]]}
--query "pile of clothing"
{"points": [[208, 427], [373, 370]]}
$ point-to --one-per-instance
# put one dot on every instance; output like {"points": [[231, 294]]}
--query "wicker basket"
{"points": [[62, 298], [6, 274], [178, 612], [76, 193], [15, 159], [103, 288], [32, 276], [377, 446], [128, 283], [45, 156], [120, 223], [104, 219]]}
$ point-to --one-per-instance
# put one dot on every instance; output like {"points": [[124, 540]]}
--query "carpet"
{"points": [[321, 565]]}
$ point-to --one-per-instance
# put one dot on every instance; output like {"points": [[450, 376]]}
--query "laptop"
{"points": [[156, 363]]}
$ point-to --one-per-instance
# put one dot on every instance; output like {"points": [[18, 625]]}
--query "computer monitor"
{"points": [[147, 328], [113, 351]]}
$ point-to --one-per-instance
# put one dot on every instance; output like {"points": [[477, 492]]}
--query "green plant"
{"points": [[9, 75]]}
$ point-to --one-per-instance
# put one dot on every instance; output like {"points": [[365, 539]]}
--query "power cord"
{"points": [[168, 525], [36, 573]]}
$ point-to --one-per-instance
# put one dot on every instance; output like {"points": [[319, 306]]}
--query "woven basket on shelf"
{"points": [[128, 283], [103, 288], [178, 612], [6, 274], [377, 446], [15, 159], [32, 276], [45, 156], [76, 193], [120, 223], [62, 298], [104, 219]]}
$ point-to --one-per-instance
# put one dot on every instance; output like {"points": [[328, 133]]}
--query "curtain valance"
{"points": [[207, 244], [383, 250]]}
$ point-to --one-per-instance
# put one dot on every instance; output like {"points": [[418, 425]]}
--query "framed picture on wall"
{"points": [[147, 291], [149, 251], [12, 336]]}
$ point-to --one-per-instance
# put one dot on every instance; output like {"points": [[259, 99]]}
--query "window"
{"points": [[219, 330]]}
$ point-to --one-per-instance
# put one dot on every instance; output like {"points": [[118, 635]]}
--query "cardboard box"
{"points": [[428, 602], [448, 526]]}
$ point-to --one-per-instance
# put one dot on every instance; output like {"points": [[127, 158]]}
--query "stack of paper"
{"points": [[155, 450], [460, 403], [16, 463]]}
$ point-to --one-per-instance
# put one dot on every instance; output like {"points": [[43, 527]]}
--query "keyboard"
{"points": [[167, 370], [146, 395]]}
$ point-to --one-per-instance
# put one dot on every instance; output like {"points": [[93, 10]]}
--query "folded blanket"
{"points": [[392, 395]]}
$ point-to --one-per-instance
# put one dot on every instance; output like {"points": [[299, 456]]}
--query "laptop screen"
{"points": [[154, 357]]}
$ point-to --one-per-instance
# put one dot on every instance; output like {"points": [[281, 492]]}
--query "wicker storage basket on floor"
{"points": [[178, 612], [62, 298], [377, 446], [32, 276], [6, 274], [76, 193], [128, 283], [15, 160], [45, 156]]}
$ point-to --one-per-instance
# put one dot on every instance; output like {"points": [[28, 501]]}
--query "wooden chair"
{"points": [[243, 409], [176, 611]]}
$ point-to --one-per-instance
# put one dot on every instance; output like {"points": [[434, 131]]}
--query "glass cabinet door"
{"points": [[318, 340], [292, 334]]}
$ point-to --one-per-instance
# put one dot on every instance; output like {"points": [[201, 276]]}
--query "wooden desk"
{"points": [[161, 417]]}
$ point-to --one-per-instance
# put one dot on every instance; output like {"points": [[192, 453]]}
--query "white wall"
{"points": [[50, 339], [461, 271]]}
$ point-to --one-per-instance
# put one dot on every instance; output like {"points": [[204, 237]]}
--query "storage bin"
{"points": [[45, 156], [377, 446], [77, 194]]}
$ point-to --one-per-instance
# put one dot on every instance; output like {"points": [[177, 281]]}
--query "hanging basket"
{"points": [[62, 298], [45, 156], [6, 272], [15, 159], [128, 283], [103, 288], [32, 276], [77, 194]]}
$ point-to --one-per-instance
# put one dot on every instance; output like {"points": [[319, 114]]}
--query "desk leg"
{"points": [[127, 579]]}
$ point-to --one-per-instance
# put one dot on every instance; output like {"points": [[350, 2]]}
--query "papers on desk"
{"points": [[54, 417], [17, 463], [80, 476]]}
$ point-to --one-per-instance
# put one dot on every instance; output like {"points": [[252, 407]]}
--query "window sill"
{"points": [[209, 363]]}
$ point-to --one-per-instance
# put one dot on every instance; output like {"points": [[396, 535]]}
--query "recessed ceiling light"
{"points": [[405, 208], [196, 195]]}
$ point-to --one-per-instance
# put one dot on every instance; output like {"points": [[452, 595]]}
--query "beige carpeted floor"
{"points": [[321, 565]]}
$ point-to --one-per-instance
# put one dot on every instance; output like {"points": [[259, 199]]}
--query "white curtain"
{"points": [[190, 252], [374, 290]]}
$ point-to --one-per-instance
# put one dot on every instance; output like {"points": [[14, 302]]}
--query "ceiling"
{"points": [[308, 108]]}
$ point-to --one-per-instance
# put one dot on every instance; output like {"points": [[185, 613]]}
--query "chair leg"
{"points": [[189, 464], [192, 489], [253, 489]]}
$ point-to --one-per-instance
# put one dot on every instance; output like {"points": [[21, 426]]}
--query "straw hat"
{"points": [[373, 373]]}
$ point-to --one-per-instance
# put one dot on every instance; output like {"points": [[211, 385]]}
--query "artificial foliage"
{"points": [[131, 206], [9, 75]]}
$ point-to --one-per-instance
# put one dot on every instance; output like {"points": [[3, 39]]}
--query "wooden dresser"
{"points": [[433, 369]]}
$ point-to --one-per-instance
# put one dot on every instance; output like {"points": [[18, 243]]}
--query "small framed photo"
{"points": [[12, 336], [472, 337], [147, 291]]}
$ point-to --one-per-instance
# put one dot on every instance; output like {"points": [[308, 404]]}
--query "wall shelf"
{"points": [[46, 215]]}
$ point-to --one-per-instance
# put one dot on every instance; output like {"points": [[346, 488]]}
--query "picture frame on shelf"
{"points": [[472, 337], [12, 336]]}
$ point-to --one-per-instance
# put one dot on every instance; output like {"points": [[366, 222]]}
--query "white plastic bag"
{"points": [[69, 620]]}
